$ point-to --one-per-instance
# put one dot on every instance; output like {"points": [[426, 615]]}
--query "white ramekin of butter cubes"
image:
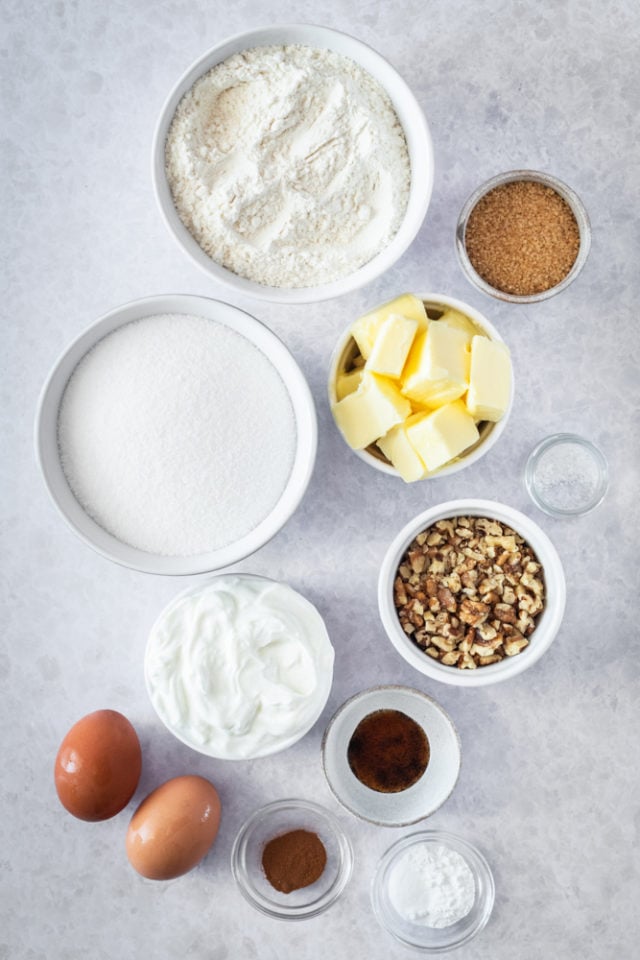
{"points": [[421, 386]]}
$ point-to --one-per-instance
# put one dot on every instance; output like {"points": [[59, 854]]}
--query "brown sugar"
{"points": [[522, 238]]}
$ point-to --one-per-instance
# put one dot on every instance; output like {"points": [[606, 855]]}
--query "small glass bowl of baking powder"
{"points": [[456, 892], [566, 475], [523, 236]]}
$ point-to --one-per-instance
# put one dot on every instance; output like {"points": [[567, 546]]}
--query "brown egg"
{"points": [[98, 766], [173, 828]]}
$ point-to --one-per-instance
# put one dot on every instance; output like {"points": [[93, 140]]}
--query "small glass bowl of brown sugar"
{"points": [[523, 236], [291, 859]]}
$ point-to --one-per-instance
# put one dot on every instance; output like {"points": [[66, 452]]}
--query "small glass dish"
{"points": [[419, 935], [566, 475], [568, 195], [271, 821]]}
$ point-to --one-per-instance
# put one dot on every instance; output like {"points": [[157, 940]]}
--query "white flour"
{"points": [[176, 434], [288, 165], [432, 885]]}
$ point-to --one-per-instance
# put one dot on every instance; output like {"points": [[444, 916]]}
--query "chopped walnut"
{"points": [[468, 592]]}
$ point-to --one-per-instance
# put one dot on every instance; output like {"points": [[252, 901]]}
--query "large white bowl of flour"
{"points": [[176, 435], [292, 163]]}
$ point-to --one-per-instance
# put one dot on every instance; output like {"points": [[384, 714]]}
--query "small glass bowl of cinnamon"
{"points": [[523, 236], [291, 859]]}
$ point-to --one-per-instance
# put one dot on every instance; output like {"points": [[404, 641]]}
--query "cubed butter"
{"points": [[391, 346], [460, 321], [397, 448], [365, 330], [366, 415], [347, 383], [441, 436], [489, 379], [437, 370]]}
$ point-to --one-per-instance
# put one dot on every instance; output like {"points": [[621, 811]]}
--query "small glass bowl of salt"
{"points": [[566, 475], [433, 891]]}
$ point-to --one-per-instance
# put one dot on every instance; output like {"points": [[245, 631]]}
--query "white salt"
{"points": [[567, 476], [176, 434]]}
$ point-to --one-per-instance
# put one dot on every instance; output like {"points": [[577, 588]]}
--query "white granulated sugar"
{"points": [[176, 434], [288, 165], [432, 885]]}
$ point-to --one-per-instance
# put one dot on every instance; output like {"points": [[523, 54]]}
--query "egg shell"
{"points": [[173, 828], [98, 766]]}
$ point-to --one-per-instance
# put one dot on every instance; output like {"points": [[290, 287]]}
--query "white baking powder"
{"points": [[432, 885], [288, 165], [176, 434]]}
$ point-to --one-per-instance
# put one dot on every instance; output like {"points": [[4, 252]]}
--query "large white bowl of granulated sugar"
{"points": [[176, 435], [292, 163]]}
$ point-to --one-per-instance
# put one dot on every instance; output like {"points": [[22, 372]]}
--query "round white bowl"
{"points": [[490, 433], [47, 451], [547, 624], [325, 679], [428, 793], [411, 117], [432, 939], [273, 820]]}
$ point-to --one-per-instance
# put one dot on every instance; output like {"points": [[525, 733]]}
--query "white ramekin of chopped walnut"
{"points": [[471, 592]]}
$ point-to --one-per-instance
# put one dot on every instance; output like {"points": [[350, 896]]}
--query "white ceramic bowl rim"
{"points": [[410, 114], [492, 435], [547, 625], [326, 681], [47, 453]]}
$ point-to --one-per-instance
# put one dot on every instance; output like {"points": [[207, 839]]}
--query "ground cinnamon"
{"points": [[294, 860], [388, 751]]}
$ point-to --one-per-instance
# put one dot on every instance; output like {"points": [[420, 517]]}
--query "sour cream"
{"points": [[239, 667]]}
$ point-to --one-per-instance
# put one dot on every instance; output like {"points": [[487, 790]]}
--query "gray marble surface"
{"points": [[549, 779]]}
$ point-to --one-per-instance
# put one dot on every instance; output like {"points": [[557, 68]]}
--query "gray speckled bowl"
{"points": [[428, 793]]}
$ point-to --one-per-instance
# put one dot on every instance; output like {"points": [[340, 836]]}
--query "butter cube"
{"points": [[440, 436], [453, 318], [437, 370], [397, 448], [366, 415], [347, 383], [391, 346], [365, 330], [489, 380]]}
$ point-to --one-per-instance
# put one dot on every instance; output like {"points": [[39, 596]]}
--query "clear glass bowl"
{"points": [[273, 820], [566, 475], [418, 935], [567, 194]]}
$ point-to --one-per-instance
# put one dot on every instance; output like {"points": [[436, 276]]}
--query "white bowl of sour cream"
{"points": [[239, 667]]}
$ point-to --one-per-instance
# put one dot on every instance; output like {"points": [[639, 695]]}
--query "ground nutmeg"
{"points": [[294, 860], [522, 238]]}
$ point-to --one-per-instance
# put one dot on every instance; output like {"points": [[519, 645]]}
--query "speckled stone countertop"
{"points": [[548, 788]]}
